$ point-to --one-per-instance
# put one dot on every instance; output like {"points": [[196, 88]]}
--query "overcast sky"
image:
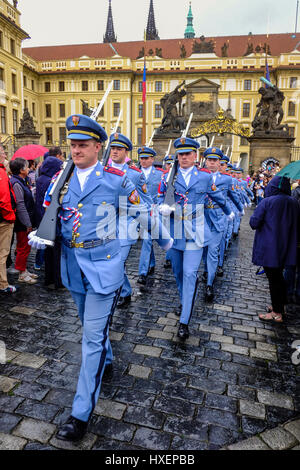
{"points": [[57, 22]]}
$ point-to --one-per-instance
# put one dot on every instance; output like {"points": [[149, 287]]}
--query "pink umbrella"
{"points": [[30, 152]]}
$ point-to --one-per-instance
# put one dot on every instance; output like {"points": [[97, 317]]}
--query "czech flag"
{"points": [[144, 83]]}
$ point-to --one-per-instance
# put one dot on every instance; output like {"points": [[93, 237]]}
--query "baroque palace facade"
{"points": [[53, 81]]}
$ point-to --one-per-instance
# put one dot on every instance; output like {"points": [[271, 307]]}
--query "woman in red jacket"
{"points": [[7, 219]]}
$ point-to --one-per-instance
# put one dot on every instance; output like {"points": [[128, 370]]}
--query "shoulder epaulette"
{"points": [[133, 167], [227, 174], [113, 171], [205, 169], [160, 169]]}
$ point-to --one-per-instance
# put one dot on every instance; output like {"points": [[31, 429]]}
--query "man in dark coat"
{"points": [[276, 221], [48, 169]]}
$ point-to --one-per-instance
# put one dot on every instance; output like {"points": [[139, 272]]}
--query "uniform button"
{"points": [[77, 235], [187, 192], [80, 205], [79, 225], [108, 257], [80, 214], [103, 202]]}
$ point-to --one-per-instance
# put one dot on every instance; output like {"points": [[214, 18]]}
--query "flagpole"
{"points": [[144, 136]]}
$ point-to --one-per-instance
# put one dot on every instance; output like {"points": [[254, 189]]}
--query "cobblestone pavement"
{"points": [[232, 380]]}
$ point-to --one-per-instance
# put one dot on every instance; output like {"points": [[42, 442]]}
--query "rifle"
{"points": [[169, 198], [47, 227], [150, 141], [107, 148]]}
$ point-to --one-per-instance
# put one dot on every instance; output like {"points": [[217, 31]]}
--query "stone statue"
{"points": [[269, 113], [182, 51], [224, 49], [141, 53], [15, 3], [173, 119], [26, 124], [250, 49], [158, 52], [203, 46], [85, 108]]}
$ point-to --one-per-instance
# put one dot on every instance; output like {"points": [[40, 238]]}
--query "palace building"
{"points": [[53, 82]]}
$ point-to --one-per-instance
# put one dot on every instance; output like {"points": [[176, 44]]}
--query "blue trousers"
{"points": [[94, 311], [147, 258], [126, 288], [229, 232], [185, 265], [223, 246], [236, 223], [211, 256]]}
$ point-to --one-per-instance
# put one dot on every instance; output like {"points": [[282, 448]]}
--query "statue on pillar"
{"points": [[269, 113], [173, 119]]}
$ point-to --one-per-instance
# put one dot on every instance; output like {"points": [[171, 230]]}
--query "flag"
{"points": [[267, 72], [144, 83]]}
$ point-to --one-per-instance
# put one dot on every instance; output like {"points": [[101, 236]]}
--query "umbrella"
{"points": [[292, 170], [30, 152]]}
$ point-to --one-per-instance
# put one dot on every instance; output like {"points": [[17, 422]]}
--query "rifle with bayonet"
{"points": [[169, 197], [108, 146], [47, 227]]}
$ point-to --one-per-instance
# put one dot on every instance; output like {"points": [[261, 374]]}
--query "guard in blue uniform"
{"points": [[91, 263], [228, 186], [189, 228], [120, 146], [243, 197], [216, 219], [153, 177], [168, 160]]}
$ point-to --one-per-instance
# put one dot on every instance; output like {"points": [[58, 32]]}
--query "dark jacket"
{"points": [[7, 198], [25, 203], [48, 169], [296, 194], [276, 221]]}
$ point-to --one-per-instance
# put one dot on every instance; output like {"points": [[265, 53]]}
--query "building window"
{"points": [[101, 114], [1, 39], [291, 108], [2, 82], [116, 84], [47, 87], [157, 111], [3, 119], [49, 135], [100, 85], [85, 85], [13, 47], [158, 86], [33, 109], [14, 84], [116, 109], [140, 113], [246, 109], [140, 131], [62, 135], [32, 85], [61, 86], [247, 84], [293, 82], [25, 104], [48, 110], [291, 131], [15, 121], [25, 81], [62, 110], [141, 87]]}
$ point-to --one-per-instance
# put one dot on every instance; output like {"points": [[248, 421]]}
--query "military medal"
{"points": [[213, 187]]}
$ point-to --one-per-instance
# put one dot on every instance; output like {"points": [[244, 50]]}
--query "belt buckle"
{"points": [[78, 245]]}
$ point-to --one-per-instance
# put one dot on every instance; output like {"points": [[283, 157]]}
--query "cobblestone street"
{"points": [[232, 384]]}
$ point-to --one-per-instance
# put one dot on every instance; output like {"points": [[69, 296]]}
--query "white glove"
{"points": [[36, 242], [169, 245], [250, 204], [164, 209], [231, 216], [245, 204], [242, 213]]}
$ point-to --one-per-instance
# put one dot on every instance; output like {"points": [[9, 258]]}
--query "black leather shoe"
{"points": [[234, 235], [151, 270], [204, 276], [124, 301], [73, 430], [108, 372], [183, 331], [142, 279], [209, 294], [220, 271], [167, 264]]}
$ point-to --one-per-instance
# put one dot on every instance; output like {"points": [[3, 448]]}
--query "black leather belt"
{"points": [[215, 206], [86, 244]]}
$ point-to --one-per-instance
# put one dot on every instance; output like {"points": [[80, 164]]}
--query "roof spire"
{"points": [[151, 33], [189, 30], [110, 32]]}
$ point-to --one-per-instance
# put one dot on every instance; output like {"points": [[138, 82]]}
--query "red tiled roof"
{"points": [[279, 43]]}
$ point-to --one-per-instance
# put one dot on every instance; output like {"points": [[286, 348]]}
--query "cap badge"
{"points": [[182, 141], [213, 150], [116, 136], [75, 120]]}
